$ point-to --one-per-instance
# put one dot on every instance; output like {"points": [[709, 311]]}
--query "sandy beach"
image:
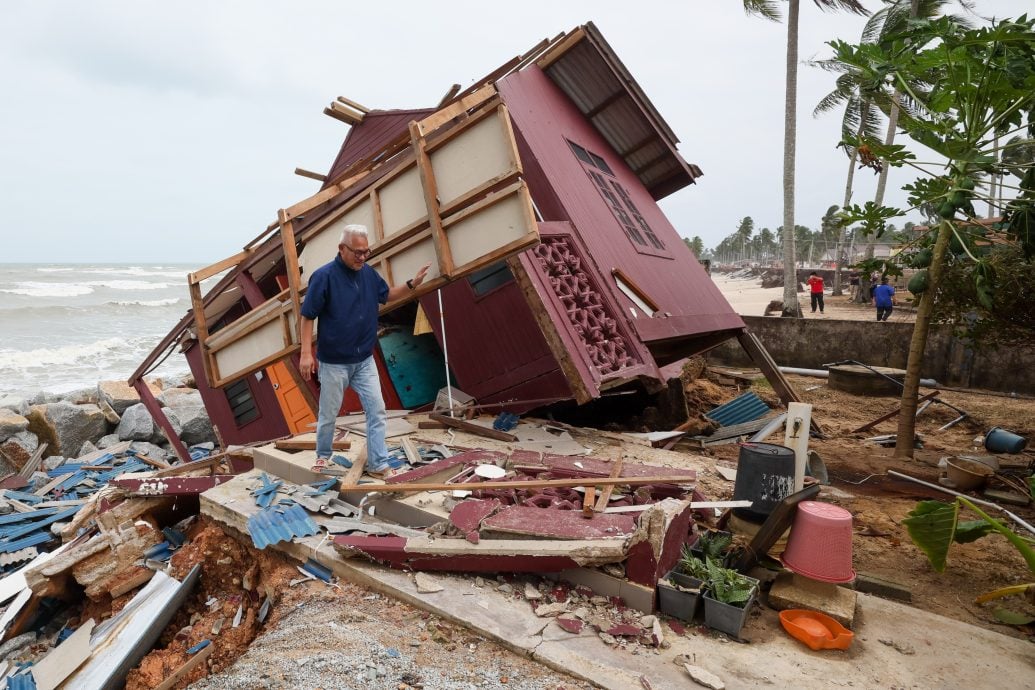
{"points": [[749, 298]]}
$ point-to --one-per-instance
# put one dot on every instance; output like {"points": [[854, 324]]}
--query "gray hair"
{"points": [[352, 231]]}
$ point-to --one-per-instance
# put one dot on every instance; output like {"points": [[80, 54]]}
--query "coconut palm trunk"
{"points": [[839, 247], [911, 382], [790, 272]]}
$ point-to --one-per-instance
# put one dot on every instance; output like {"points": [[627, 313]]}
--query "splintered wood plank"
{"points": [[186, 668], [300, 444], [605, 494], [558, 524], [470, 428]]}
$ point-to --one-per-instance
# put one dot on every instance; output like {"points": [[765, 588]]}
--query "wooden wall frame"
{"points": [[454, 197]]}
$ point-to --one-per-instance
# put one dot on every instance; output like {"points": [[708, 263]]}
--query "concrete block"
{"points": [[294, 467], [792, 591], [871, 584]]}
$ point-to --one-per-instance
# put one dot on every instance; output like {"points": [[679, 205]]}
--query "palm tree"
{"points": [[863, 106], [768, 9]]}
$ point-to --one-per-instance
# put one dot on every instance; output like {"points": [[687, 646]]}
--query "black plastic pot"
{"points": [[765, 476], [675, 601]]}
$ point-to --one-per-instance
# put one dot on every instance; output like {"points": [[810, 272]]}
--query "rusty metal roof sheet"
{"points": [[602, 88]]}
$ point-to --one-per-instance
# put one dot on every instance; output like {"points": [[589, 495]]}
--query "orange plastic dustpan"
{"points": [[817, 630]]}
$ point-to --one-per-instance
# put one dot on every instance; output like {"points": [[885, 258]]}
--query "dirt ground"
{"points": [[316, 635], [878, 502]]}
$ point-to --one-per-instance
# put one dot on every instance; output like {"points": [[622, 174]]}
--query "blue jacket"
{"points": [[882, 295], [345, 302]]}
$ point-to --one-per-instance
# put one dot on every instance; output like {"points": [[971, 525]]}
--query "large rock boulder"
{"points": [[11, 423], [66, 427], [18, 448], [120, 395], [189, 408], [138, 425], [15, 403]]}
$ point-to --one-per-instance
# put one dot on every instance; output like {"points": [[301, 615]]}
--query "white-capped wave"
{"points": [[63, 269], [138, 271], [53, 356], [37, 289], [148, 302], [132, 284]]}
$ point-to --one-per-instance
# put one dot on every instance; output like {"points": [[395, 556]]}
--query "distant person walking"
{"points": [[884, 299], [853, 285], [816, 291]]}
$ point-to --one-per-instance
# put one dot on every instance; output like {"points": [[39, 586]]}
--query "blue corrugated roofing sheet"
{"points": [[273, 525], [746, 407], [23, 681]]}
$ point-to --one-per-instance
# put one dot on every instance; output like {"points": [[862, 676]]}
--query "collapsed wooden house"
{"points": [[533, 193]]}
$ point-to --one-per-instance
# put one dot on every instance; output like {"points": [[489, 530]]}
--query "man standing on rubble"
{"points": [[344, 295]]}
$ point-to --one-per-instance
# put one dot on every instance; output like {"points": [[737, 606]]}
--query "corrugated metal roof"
{"points": [[593, 77], [743, 408], [273, 525]]}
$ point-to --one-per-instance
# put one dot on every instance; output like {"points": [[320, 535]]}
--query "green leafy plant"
{"points": [[934, 526], [727, 585], [714, 544], [692, 565]]}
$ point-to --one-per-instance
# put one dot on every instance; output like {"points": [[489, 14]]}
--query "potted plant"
{"points": [[679, 592], [728, 598], [712, 544]]}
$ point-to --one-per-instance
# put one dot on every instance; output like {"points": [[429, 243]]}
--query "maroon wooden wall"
{"points": [[546, 118]]}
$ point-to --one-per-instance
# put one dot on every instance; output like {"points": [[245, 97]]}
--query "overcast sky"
{"points": [[142, 131]]}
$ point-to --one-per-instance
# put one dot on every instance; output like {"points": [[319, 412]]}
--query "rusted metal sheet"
{"points": [[550, 523], [171, 486], [378, 128]]}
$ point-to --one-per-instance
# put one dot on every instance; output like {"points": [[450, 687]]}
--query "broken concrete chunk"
{"points": [[551, 609], [704, 677], [532, 592], [427, 584]]}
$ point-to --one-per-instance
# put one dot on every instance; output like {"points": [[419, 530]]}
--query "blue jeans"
{"points": [[334, 379]]}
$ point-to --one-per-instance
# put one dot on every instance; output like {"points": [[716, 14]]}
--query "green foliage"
{"points": [[714, 544], [728, 586], [918, 283], [934, 526], [692, 565], [874, 218]]}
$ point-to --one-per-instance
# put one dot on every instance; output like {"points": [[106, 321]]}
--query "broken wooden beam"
{"points": [[605, 493], [518, 484], [302, 172], [476, 429], [299, 444], [885, 417]]}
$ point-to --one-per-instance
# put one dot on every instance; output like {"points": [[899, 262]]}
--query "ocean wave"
{"points": [[63, 269], [54, 356], [132, 284], [148, 302], [35, 289], [139, 271]]}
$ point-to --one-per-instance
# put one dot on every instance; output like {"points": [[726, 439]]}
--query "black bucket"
{"points": [[765, 475]]}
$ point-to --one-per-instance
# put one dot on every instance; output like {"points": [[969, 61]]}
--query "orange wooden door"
{"points": [[292, 401]]}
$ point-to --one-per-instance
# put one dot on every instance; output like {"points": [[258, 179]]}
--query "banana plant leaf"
{"points": [[932, 526]]}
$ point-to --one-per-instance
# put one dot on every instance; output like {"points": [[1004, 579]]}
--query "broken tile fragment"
{"points": [[572, 625], [545, 610], [532, 592], [625, 630], [427, 584], [704, 677]]}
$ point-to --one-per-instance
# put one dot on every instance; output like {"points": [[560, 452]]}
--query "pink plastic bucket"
{"points": [[820, 545]]}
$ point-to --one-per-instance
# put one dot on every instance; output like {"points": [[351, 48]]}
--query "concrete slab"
{"points": [[949, 653], [792, 591]]}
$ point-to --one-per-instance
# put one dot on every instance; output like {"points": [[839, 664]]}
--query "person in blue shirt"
{"points": [[344, 295], [884, 299]]}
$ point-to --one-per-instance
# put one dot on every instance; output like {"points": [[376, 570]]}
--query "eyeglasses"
{"points": [[359, 254]]}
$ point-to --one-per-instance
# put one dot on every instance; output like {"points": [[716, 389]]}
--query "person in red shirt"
{"points": [[816, 291]]}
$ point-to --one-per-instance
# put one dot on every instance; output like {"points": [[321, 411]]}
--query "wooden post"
{"points": [[427, 181], [796, 436], [158, 414]]}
